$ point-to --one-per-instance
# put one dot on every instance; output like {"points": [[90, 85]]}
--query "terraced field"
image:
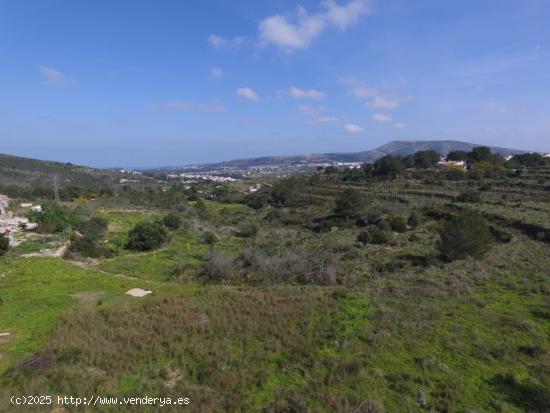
{"points": [[284, 310]]}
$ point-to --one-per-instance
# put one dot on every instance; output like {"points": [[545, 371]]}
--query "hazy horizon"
{"points": [[152, 166], [145, 84]]}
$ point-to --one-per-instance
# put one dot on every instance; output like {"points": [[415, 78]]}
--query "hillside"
{"points": [[317, 294], [396, 148], [16, 171]]}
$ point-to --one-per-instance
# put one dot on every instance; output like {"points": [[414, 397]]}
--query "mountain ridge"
{"points": [[394, 147]]}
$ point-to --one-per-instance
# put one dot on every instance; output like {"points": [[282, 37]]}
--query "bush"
{"points": [[471, 196], [384, 225], [89, 247], [4, 244], [457, 156], [285, 192], [378, 236], [202, 210], [53, 218], [258, 200], [364, 237], [217, 268], [389, 167], [373, 235], [93, 228], [455, 174], [291, 265], [172, 221], [208, 238], [415, 219], [466, 234], [87, 242], [247, 229], [349, 203], [374, 216], [147, 236], [398, 224]]}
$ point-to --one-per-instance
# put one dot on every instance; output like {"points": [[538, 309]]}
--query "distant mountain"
{"points": [[395, 148], [26, 172]]}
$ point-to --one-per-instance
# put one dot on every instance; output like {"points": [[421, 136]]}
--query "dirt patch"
{"points": [[171, 377], [88, 297], [5, 337], [138, 292], [37, 362], [62, 251]]}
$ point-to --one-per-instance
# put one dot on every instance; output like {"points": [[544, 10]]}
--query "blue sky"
{"points": [[149, 83]]}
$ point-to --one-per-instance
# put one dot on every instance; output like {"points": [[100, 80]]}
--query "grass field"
{"points": [[395, 330]]}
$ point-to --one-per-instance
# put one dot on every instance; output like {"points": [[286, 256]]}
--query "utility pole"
{"points": [[56, 189]]}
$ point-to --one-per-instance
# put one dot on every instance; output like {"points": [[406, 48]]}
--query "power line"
{"points": [[56, 189]]}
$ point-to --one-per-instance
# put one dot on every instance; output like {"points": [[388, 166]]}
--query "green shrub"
{"points": [[373, 235], [89, 247], [398, 224], [53, 218], [147, 236], [172, 221], [466, 234], [471, 196], [349, 203], [378, 236], [383, 225], [258, 200], [364, 237], [455, 174], [457, 156], [247, 229], [374, 216], [94, 228], [389, 167], [285, 192], [4, 244], [201, 209], [208, 238], [415, 219], [87, 242]]}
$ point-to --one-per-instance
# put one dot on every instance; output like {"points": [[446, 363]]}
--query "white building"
{"points": [[4, 204], [443, 162]]}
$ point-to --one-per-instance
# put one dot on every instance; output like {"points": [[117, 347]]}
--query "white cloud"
{"points": [[219, 41], [299, 31], [382, 118], [247, 93], [321, 120], [216, 41], [378, 100], [216, 72], [311, 110], [182, 106], [351, 128], [358, 88], [212, 107], [178, 105], [297, 93], [54, 77], [381, 102], [399, 125], [496, 107], [347, 15]]}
